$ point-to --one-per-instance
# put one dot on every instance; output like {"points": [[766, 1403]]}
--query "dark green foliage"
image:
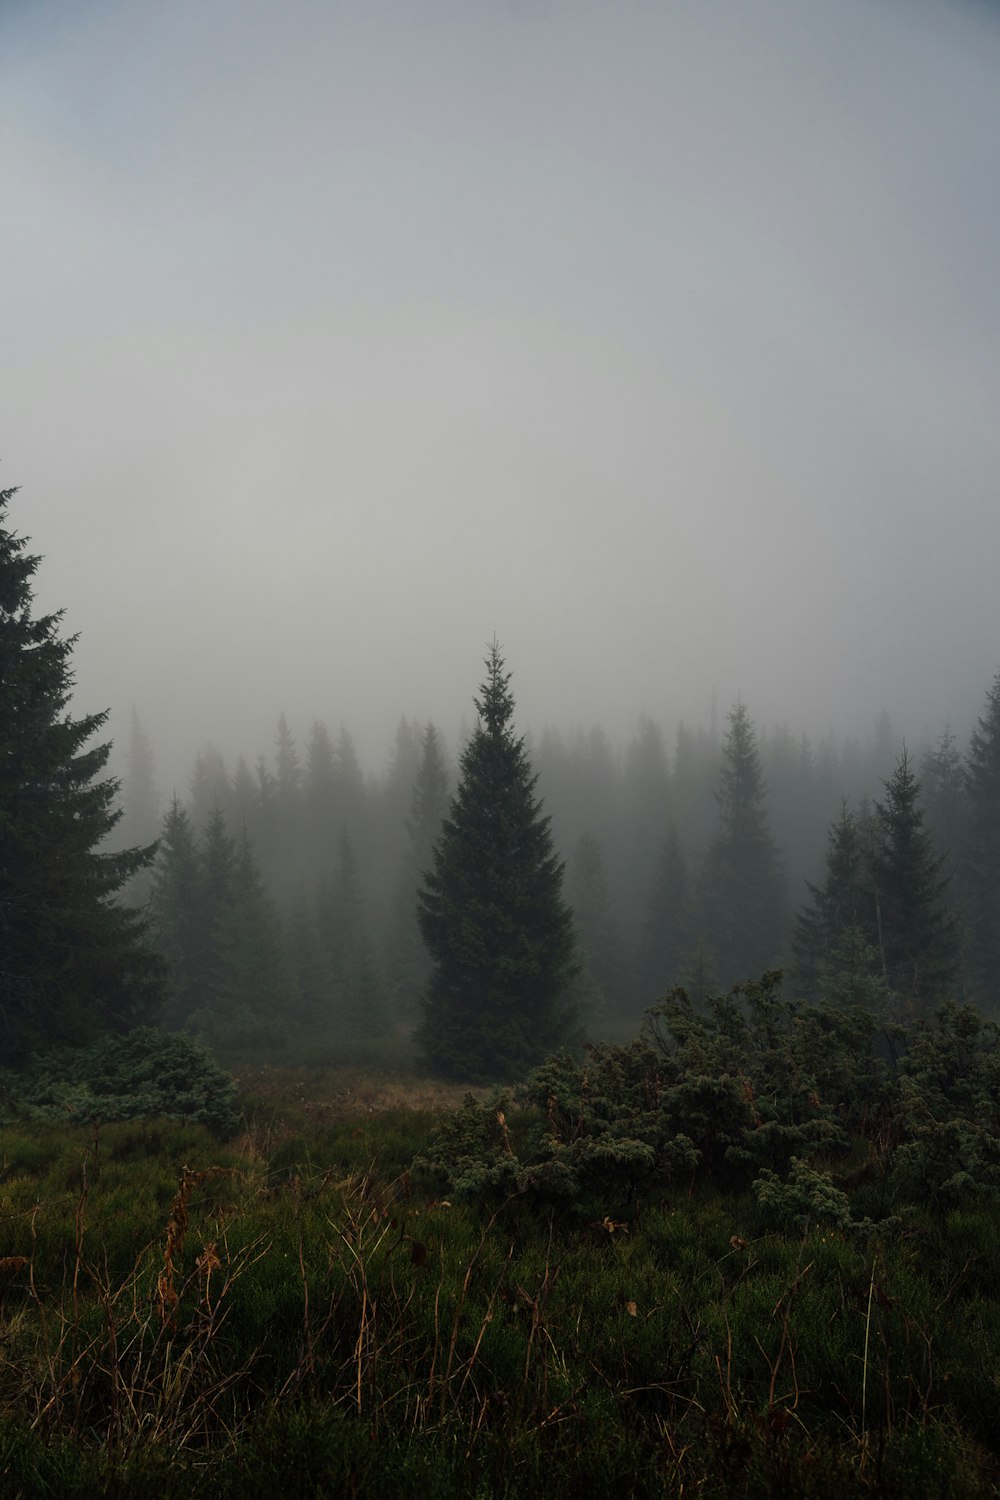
{"points": [[146, 1073], [879, 931], [492, 911], [756, 1082], [251, 974], [744, 915], [950, 1109], [242, 1326], [760, 1089], [74, 958], [980, 852], [915, 928], [218, 930], [841, 904]]}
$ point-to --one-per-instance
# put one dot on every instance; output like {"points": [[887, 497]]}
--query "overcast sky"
{"points": [[660, 339]]}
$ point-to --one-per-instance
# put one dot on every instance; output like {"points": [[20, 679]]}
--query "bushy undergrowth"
{"points": [[739, 1317], [231, 1326], [804, 1102], [144, 1073]]}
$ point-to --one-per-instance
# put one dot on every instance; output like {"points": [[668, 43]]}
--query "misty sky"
{"points": [[661, 340]]}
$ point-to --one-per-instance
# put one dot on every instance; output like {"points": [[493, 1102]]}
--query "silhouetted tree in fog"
{"points": [[604, 977], [492, 911], [944, 793], [666, 938], [357, 998], [179, 916], [981, 849], [744, 884], [841, 902], [409, 959], [916, 929]]}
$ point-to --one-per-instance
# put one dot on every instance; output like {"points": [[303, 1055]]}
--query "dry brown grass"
{"points": [[333, 1095]]}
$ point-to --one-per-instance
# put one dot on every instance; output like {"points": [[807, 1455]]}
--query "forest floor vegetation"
{"points": [[307, 1305]]}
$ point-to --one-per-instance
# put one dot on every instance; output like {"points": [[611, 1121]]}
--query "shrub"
{"points": [[145, 1073]]}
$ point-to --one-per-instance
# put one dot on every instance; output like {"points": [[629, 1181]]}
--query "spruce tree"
{"points": [[981, 849], [916, 929], [358, 1001], [492, 911], [744, 882], [842, 902], [75, 960], [179, 916], [252, 976], [666, 938], [408, 956], [944, 800], [604, 979]]}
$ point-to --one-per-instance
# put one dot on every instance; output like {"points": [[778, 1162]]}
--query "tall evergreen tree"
{"points": [[744, 889], [492, 911], [916, 929], [211, 788], [358, 1001], [981, 850], [944, 792], [252, 980], [179, 917], [667, 935], [842, 902], [604, 971], [645, 809], [408, 957], [74, 960]]}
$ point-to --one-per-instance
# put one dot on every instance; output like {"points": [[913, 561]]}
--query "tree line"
{"points": [[531, 884]]}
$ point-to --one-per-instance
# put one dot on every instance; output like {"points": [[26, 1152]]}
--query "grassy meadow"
{"points": [[296, 1310]]}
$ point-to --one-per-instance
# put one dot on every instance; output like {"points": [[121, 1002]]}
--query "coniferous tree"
{"points": [[492, 911], [666, 936], [251, 979], [644, 813], [408, 956], [744, 883], [842, 903], [74, 960], [943, 792], [217, 850], [308, 969], [357, 992], [285, 850], [211, 788], [604, 980], [179, 924], [980, 853], [916, 929]]}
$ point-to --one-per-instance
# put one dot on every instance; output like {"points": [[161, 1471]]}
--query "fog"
{"points": [[660, 340]]}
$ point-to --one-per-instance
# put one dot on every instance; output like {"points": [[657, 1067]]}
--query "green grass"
{"points": [[294, 1312]]}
